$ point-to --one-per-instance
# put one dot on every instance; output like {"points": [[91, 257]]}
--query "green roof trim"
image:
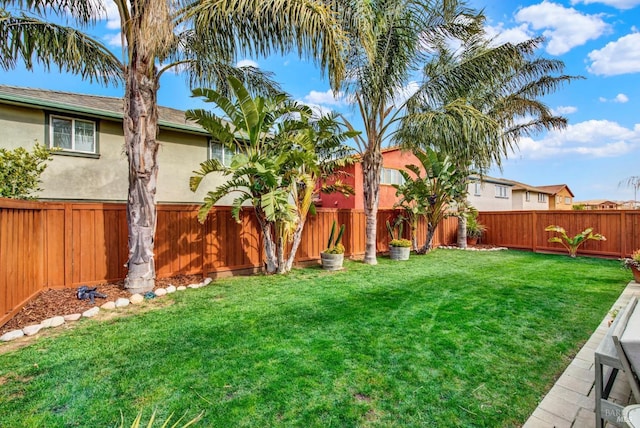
{"points": [[88, 105]]}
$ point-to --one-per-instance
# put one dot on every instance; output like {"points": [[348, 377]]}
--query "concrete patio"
{"points": [[570, 402]]}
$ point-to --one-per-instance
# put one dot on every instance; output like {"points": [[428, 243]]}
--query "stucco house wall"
{"points": [[103, 176], [520, 202], [484, 197]]}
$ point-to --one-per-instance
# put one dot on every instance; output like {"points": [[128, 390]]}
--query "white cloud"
{"points": [[619, 57], [593, 138], [620, 98], [326, 98], [618, 4], [403, 94], [565, 28], [247, 63], [514, 35], [113, 40], [113, 16], [560, 110]]}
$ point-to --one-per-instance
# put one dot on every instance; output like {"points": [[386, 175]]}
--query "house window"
{"points": [[558, 200], [542, 198], [501, 191], [220, 152], [527, 195], [391, 176], [567, 200], [477, 188], [74, 135]]}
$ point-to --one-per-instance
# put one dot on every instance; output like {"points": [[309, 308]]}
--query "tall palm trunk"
{"points": [[462, 231], [371, 164], [140, 131]]}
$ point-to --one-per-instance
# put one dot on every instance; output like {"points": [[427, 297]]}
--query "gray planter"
{"points": [[399, 253], [331, 261]]}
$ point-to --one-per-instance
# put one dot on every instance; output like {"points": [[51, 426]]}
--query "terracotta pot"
{"points": [[636, 274], [472, 240], [399, 253]]}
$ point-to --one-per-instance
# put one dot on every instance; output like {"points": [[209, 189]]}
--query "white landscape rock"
{"points": [[181, 288], [72, 317], [161, 292], [91, 312], [194, 285], [122, 302], [30, 330], [53, 322], [171, 289], [46, 323], [108, 306], [11, 335], [207, 281], [136, 299]]}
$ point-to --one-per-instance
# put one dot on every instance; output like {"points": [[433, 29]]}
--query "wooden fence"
{"points": [[56, 245], [525, 230]]}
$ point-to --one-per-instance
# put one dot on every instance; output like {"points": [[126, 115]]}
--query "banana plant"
{"points": [[572, 243]]}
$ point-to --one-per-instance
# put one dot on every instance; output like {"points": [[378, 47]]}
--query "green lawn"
{"points": [[453, 338]]}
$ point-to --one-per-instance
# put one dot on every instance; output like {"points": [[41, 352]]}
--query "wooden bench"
{"points": [[610, 358]]}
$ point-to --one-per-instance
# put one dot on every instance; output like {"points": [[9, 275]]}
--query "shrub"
{"points": [[20, 171], [572, 244], [400, 243]]}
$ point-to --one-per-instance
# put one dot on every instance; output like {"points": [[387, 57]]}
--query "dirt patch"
{"points": [[52, 303]]}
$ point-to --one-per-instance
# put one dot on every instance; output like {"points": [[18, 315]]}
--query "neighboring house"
{"points": [[92, 164], [598, 204], [526, 197], [560, 196], [490, 194], [393, 160]]}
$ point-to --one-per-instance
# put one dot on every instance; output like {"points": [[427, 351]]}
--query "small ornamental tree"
{"points": [[572, 244], [20, 171]]}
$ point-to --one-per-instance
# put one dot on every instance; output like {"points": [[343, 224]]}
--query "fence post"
{"points": [[534, 234], [623, 247], [68, 245]]}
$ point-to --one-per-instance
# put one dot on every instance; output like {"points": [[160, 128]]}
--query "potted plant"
{"points": [[633, 263], [399, 248], [475, 229], [333, 257]]}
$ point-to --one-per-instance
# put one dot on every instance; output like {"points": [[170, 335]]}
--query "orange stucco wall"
{"points": [[391, 158]]}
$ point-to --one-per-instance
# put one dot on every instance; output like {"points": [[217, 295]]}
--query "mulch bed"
{"points": [[51, 303]]}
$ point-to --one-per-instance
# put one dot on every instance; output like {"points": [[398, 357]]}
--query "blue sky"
{"points": [[596, 39]]}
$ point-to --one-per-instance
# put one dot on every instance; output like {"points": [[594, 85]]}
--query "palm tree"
{"points": [[280, 159], [478, 102], [201, 36], [633, 181], [401, 33]]}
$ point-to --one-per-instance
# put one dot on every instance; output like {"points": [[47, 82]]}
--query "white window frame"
{"points": [[527, 196], [73, 121], [227, 154], [390, 176], [542, 198], [501, 192], [567, 200], [477, 190]]}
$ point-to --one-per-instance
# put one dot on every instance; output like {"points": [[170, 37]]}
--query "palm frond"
{"points": [[32, 40]]}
